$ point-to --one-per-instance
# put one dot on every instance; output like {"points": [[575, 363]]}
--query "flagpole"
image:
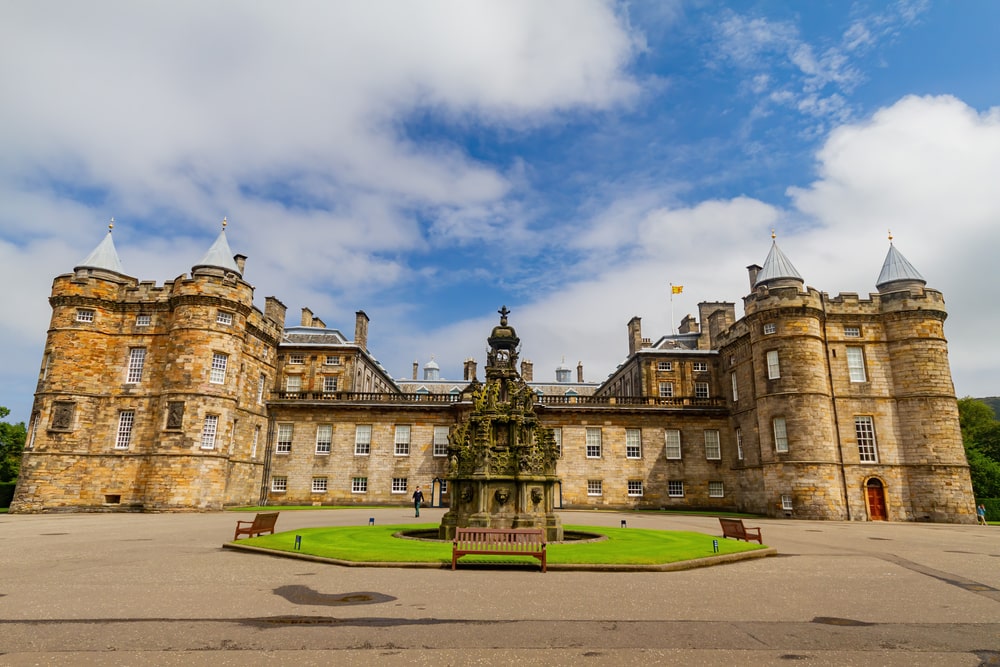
{"points": [[671, 307]]}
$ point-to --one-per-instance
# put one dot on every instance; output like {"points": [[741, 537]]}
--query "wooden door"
{"points": [[876, 500]]}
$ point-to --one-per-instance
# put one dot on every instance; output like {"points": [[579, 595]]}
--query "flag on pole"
{"points": [[676, 289]]}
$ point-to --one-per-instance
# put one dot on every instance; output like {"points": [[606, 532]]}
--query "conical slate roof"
{"points": [[896, 268], [104, 257], [776, 266], [219, 256]]}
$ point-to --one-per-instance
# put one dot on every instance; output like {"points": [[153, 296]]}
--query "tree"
{"points": [[12, 437], [981, 437]]}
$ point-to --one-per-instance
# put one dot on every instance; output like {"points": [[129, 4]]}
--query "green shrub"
{"points": [[6, 493]]}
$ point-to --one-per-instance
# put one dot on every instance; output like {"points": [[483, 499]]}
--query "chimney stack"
{"points": [[241, 262], [579, 371], [469, 373], [753, 270], [527, 370], [307, 317], [274, 310], [416, 368], [361, 330], [634, 335]]}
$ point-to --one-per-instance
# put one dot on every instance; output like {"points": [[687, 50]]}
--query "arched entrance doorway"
{"points": [[875, 497]]}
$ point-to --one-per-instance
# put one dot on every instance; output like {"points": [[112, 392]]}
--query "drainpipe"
{"points": [[836, 413]]}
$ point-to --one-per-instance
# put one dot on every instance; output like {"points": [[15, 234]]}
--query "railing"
{"points": [[364, 397], [672, 402], [377, 397]]}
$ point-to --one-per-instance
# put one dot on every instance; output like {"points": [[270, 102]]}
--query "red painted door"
{"points": [[876, 501]]}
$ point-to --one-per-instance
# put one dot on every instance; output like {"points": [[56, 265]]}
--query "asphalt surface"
{"points": [[158, 589]]}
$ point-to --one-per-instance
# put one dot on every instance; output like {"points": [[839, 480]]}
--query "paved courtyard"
{"points": [[158, 589]]}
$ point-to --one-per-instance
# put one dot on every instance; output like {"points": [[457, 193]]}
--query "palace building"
{"points": [[187, 397]]}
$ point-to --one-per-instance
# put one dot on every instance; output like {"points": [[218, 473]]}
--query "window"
{"points": [[402, 440], [852, 332], [444, 487], [780, 435], [363, 440], [770, 328], [136, 360], [701, 390], [293, 383], [256, 438], [219, 362], [716, 490], [224, 317], [261, 385], [786, 503], [736, 393], [208, 431], [440, 441], [856, 364], [713, 451], [594, 487], [84, 315], [864, 429], [672, 439], [359, 485], [324, 436], [665, 366], [399, 485], [126, 419], [143, 320], [557, 434], [297, 358], [773, 369], [285, 432], [633, 443], [332, 361], [330, 384], [635, 487], [319, 485], [675, 489], [593, 443], [739, 444], [700, 366], [279, 484], [666, 389]]}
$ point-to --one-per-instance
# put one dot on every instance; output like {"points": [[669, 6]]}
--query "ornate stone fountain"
{"points": [[502, 470]]}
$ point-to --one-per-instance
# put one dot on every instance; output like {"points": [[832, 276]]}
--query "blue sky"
{"points": [[428, 162]]}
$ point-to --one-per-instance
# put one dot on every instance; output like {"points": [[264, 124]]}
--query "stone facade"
{"points": [[808, 406]]}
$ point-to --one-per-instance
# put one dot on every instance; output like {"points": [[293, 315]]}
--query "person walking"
{"points": [[981, 515], [418, 498]]}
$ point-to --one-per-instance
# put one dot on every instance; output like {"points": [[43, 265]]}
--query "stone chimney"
{"points": [[319, 323], [307, 317], [361, 330], [579, 371], [689, 325], [241, 262], [527, 370], [634, 335], [274, 310], [469, 372], [753, 270]]}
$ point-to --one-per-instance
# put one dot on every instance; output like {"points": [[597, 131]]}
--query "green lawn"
{"points": [[635, 546]]}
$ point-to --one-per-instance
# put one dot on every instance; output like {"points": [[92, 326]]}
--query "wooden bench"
{"points": [[735, 528], [262, 523], [498, 541]]}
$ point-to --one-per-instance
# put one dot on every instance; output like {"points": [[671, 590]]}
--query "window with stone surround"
{"points": [[665, 366], [324, 438], [770, 328], [126, 419], [208, 431], [852, 332], [331, 360], [84, 315], [713, 450], [593, 443], [256, 439], [786, 502], [634, 487], [219, 363], [319, 485], [444, 487], [284, 442], [701, 390], [675, 488], [666, 390], [557, 436], [136, 360], [362, 439], [699, 366], [297, 358], [293, 383], [261, 386], [440, 441], [279, 484], [864, 430], [780, 434], [633, 443], [594, 487], [359, 485], [143, 320], [856, 364], [224, 317], [716, 490], [736, 393], [402, 441], [773, 367], [672, 440], [399, 485], [330, 383], [739, 444]]}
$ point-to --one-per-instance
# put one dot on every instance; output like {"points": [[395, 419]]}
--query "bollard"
{"points": [[371, 521], [715, 546], [624, 525], [298, 542]]}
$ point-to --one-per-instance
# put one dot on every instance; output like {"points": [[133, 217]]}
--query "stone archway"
{"points": [[875, 500]]}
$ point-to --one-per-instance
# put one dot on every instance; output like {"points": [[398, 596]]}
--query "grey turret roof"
{"points": [[776, 266], [104, 257], [219, 256], [896, 268]]}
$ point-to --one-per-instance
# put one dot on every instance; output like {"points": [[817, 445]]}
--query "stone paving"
{"points": [[158, 589]]}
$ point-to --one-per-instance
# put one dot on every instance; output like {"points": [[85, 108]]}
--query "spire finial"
{"points": [[224, 223], [773, 235], [111, 225], [890, 236]]}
